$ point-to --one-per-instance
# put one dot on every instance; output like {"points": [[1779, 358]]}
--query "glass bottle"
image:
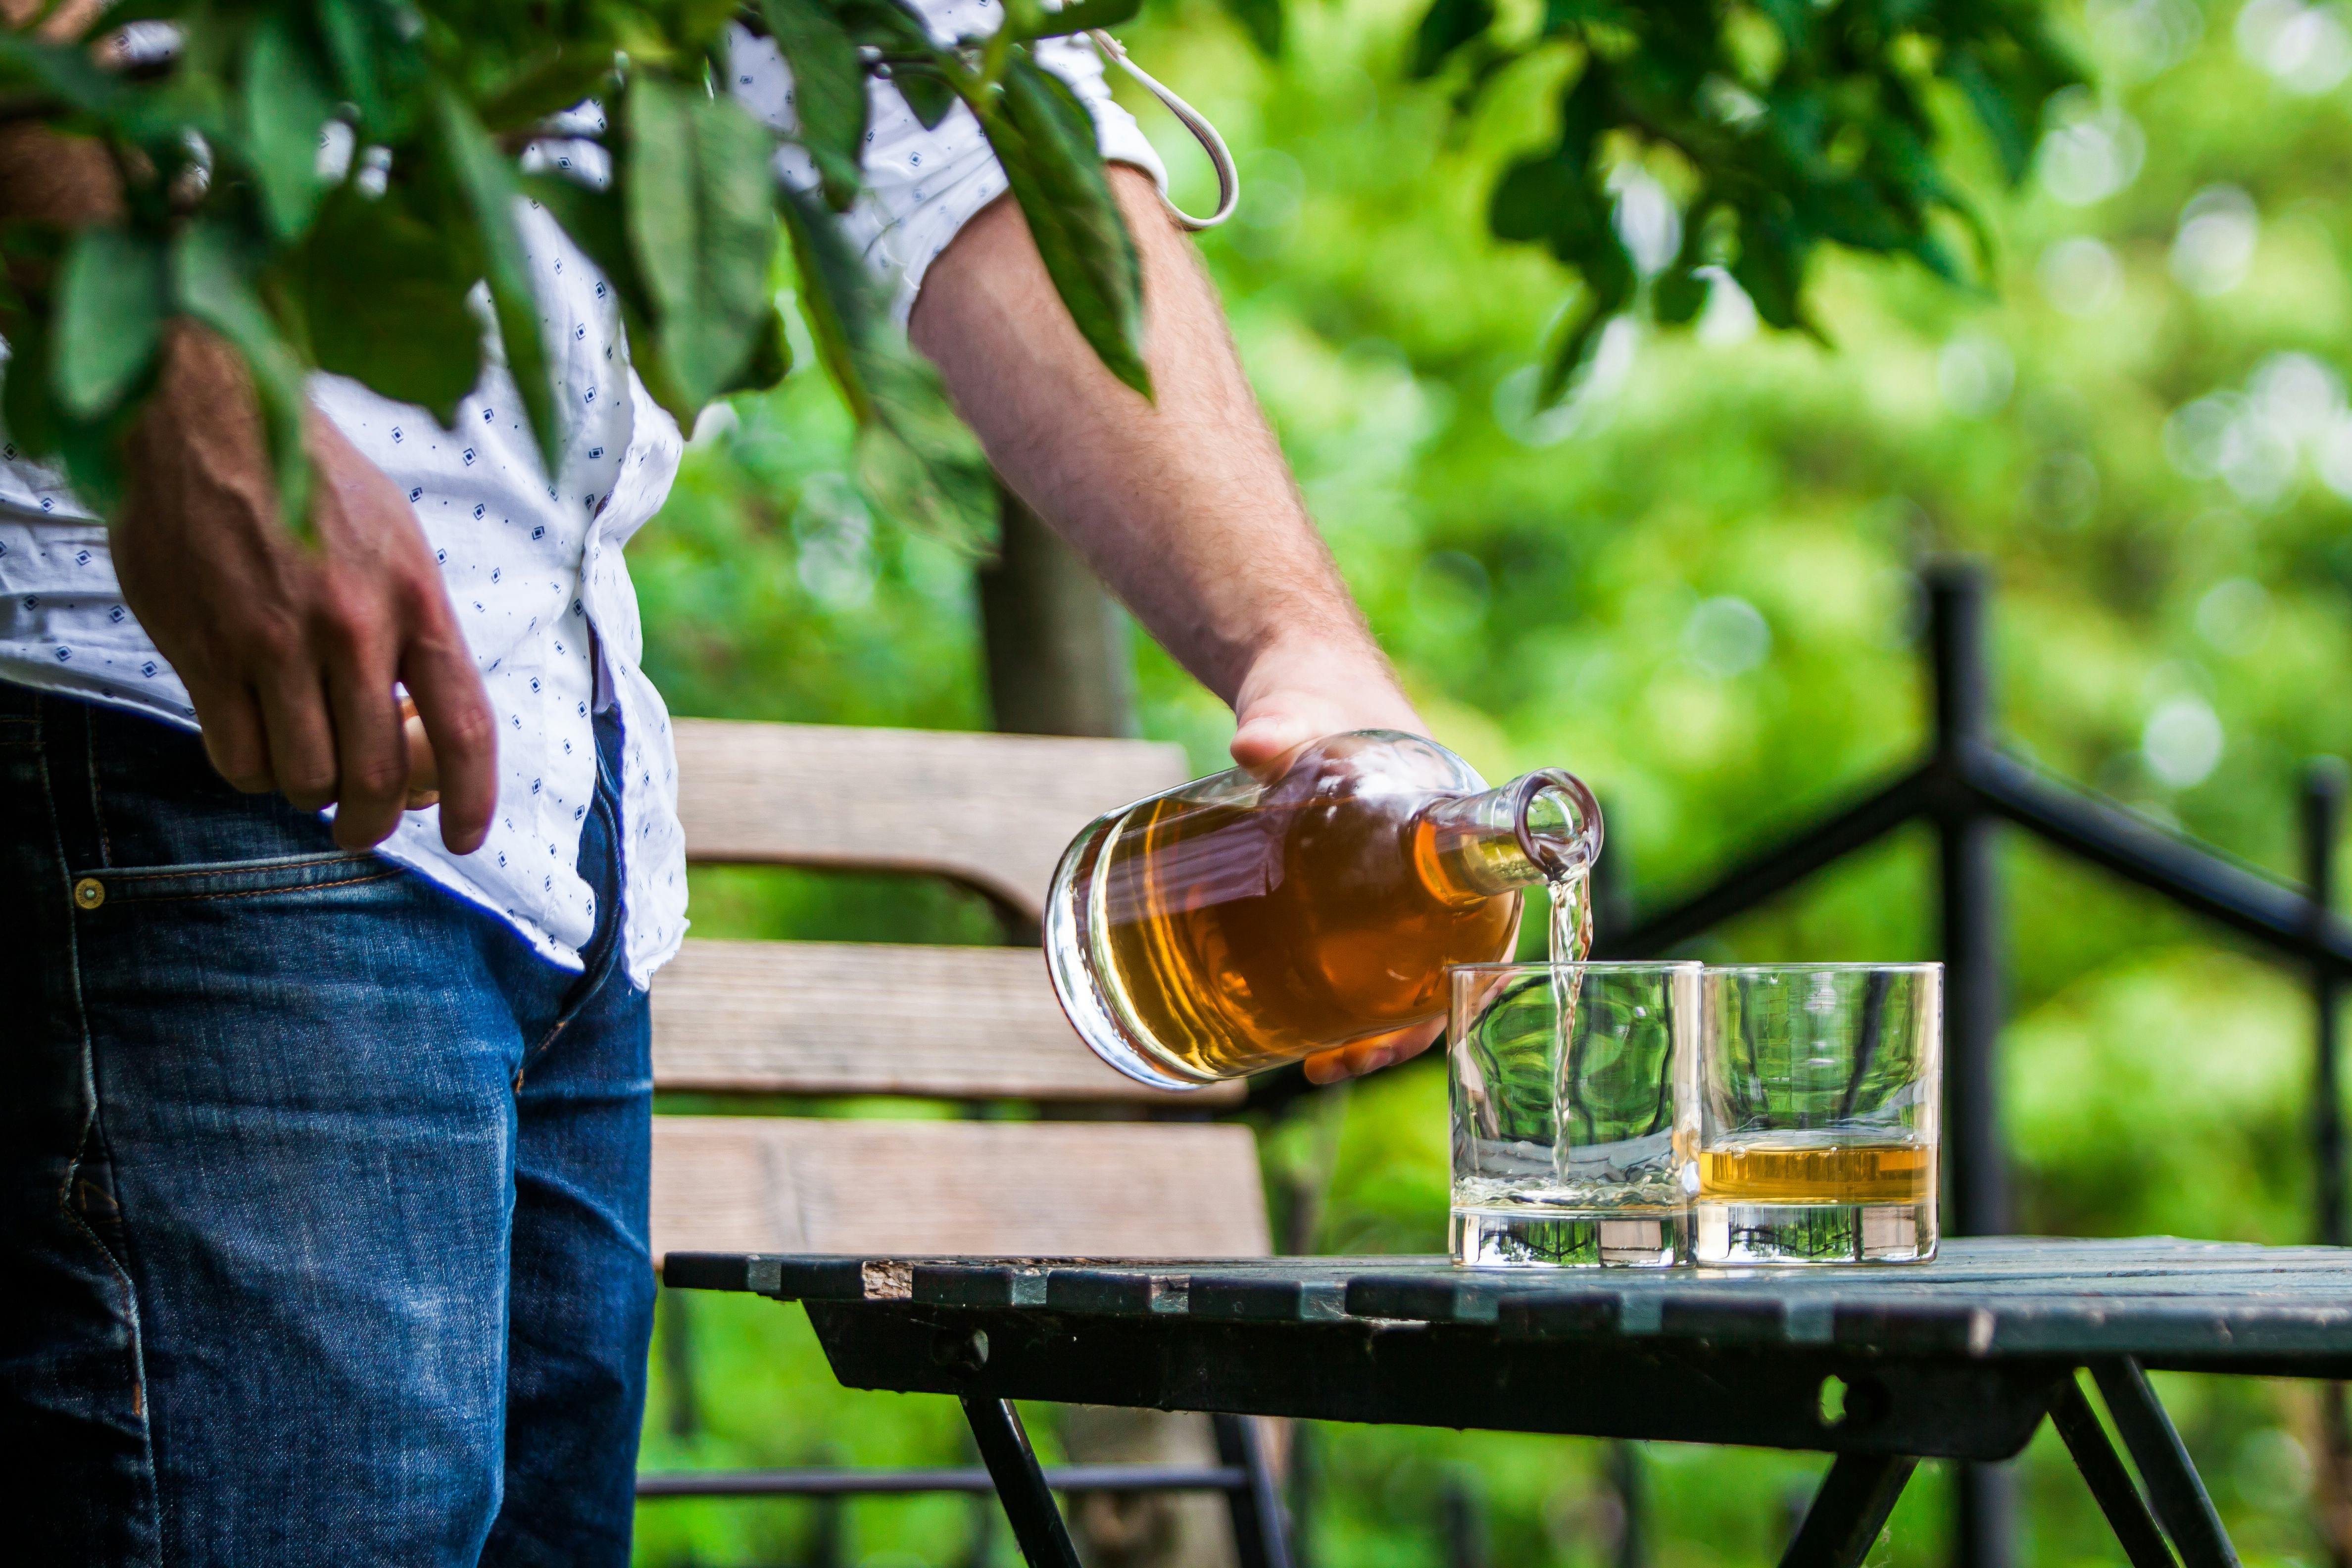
{"points": [[1233, 924]]}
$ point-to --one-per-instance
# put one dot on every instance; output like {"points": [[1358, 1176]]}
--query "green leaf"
{"points": [[27, 399], [1567, 15], [1678, 296], [928, 93], [887, 25], [701, 221], [1579, 335], [488, 183], [1045, 140], [1794, 18], [1771, 267], [1081, 15], [919, 462], [771, 357], [213, 279], [385, 298], [378, 67], [1262, 20], [837, 296], [2005, 126], [1851, 212], [1449, 25], [285, 105], [62, 71], [559, 80], [828, 91], [918, 65], [110, 308], [1557, 198], [1538, 196]]}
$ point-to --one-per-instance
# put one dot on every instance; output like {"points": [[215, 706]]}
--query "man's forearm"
{"points": [[1183, 505]]}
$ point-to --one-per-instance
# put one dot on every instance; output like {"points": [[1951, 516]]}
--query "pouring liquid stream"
{"points": [[1571, 939]]}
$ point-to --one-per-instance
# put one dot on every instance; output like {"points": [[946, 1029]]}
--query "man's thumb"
{"points": [[1261, 744]]}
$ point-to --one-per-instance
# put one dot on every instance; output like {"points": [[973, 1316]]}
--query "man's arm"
{"points": [[1184, 505], [288, 652]]}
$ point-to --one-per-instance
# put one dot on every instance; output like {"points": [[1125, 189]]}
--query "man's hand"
{"points": [[1303, 690], [290, 651], [1306, 689]]}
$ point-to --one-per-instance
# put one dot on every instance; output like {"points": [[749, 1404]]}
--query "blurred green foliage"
{"points": [[1692, 584]]}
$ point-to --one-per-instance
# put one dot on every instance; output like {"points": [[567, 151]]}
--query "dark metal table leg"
{"points": [[1849, 1511], [2174, 1489], [1020, 1484], [2111, 1484], [1259, 1541]]}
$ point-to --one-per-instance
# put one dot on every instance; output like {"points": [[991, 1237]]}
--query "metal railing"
{"points": [[1966, 789]]}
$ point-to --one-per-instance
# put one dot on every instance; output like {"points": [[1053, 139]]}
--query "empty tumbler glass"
{"points": [[1574, 1111]]}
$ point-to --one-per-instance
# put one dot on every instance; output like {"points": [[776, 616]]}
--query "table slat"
{"points": [[2171, 1302]]}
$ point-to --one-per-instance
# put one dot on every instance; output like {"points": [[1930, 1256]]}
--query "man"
{"points": [[326, 1138]]}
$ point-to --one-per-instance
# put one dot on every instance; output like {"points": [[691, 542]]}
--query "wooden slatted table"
{"points": [[1881, 1366]]}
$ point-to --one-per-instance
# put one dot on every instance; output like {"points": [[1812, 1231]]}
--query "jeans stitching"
{"points": [[274, 874], [115, 1261], [138, 897], [300, 887], [96, 806], [216, 868]]}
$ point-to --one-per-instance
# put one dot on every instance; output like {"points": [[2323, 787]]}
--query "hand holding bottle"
{"points": [[1299, 692], [1293, 696], [1245, 920]]}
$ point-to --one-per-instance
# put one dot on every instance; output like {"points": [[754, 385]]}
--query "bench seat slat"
{"points": [[815, 1018], [1066, 1189], [994, 811]]}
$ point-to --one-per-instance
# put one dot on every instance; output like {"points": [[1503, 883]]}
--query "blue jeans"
{"points": [[322, 1198]]}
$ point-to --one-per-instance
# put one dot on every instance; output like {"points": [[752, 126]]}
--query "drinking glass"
{"points": [[1820, 1092], [1574, 1112]]}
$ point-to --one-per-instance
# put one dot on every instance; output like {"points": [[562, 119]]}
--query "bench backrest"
{"points": [[941, 1022]]}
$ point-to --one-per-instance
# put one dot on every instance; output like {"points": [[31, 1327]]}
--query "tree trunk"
{"points": [[1056, 644]]}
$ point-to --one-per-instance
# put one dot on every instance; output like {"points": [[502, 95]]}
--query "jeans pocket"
{"points": [[229, 879]]}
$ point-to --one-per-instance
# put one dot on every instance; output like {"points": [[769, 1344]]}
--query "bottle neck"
{"points": [[1543, 826]]}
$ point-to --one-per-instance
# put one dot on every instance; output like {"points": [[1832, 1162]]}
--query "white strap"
{"points": [[1229, 178]]}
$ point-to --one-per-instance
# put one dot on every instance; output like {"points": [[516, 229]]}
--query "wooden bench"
{"points": [[966, 1024]]}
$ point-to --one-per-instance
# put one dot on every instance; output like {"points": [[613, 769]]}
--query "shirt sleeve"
{"points": [[923, 186]]}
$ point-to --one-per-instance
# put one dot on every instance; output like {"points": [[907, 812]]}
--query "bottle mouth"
{"points": [[1557, 822]]}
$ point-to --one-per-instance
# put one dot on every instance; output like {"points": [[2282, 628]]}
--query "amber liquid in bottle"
{"points": [[1236, 923], [1237, 934]]}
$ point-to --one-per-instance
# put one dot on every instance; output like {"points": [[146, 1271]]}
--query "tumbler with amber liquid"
{"points": [[1820, 1092], [1236, 923]]}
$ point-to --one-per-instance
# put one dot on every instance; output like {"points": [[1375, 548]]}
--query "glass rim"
{"points": [[1922, 966], [1613, 965], [1621, 965]]}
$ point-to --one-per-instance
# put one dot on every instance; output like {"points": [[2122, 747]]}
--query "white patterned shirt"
{"points": [[532, 564]]}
